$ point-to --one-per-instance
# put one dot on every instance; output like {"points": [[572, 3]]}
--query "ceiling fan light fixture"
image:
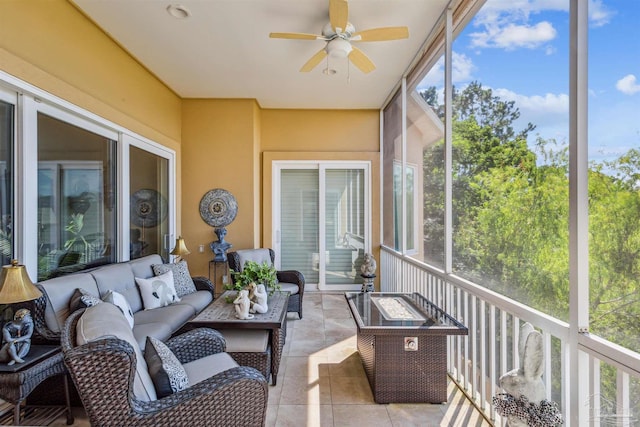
{"points": [[339, 48], [178, 11]]}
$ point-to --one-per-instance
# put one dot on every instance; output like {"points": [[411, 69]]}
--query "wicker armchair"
{"points": [[290, 280], [103, 372]]}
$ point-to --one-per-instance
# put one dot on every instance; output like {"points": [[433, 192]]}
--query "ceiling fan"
{"points": [[338, 34]]}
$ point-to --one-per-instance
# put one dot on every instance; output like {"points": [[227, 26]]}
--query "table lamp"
{"points": [[180, 249], [15, 287]]}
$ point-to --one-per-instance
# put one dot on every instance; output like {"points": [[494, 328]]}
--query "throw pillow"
{"points": [[166, 371], [157, 291], [121, 302], [181, 277], [82, 298]]}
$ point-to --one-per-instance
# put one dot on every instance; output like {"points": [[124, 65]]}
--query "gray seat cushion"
{"points": [[206, 367], [159, 330], [198, 300], [174, 315], [289, 287]]}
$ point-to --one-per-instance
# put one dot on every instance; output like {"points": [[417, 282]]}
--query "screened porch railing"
{"points": [[478, 360]]}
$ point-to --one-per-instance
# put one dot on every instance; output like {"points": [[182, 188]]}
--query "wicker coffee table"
{"points": [[222, 315], [402, 341]]}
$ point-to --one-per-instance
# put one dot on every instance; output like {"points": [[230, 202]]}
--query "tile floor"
{"points": [[322, 382]]}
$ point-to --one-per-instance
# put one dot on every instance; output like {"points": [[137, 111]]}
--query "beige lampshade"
{"points": [[180, 249], [15, 285]]}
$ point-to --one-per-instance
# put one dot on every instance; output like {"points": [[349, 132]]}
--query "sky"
{"points": [[520, 49]]}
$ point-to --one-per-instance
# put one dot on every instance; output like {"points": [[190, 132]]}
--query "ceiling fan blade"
{"points": [[381, 34], [315, 60], [338, 14], [362, 61], [298, 36]]}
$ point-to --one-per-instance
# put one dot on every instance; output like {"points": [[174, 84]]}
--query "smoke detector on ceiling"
{"points": [[178, 11]]}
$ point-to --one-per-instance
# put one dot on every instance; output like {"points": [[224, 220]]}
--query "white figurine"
{"points": [[260, 298], [243, 304], [527, 380], [369, 265]]}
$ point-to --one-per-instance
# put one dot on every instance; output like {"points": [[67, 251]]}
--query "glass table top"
{"points": [[402, 311]]}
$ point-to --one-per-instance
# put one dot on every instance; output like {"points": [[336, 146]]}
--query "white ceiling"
{"points": [[223, 49]]}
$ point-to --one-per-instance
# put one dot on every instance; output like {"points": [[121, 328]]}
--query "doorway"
{"points": [[322, 222]]}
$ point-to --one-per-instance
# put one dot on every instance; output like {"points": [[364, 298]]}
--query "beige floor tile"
{"points": [[306, 348], [338, 313], [275, 391], [305, 415], [351, 391], [360, 416], [330, 324], [351, 366], [272, 415], [312, 367], [418, 415], [307, 333], [305, 391]]}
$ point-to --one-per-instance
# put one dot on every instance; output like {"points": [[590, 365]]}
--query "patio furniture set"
{"points": [[124, 367]]}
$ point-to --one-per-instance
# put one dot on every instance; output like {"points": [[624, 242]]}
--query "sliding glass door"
{"points": [[7, 137], [322, 221]]}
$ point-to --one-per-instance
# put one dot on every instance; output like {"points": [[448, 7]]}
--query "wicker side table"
{"points": [[19, 380]]}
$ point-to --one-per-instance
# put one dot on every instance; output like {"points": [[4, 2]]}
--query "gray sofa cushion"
{"points": [[257, 255], [119, 278], [141, 267], [159, 330], [59, 291], [105, 320], [174, 315], [289, 287], [206, 367], [198, 300]]}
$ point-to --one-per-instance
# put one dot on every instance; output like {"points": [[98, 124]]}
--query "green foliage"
{"points": [[511, 215], [255, 273]]}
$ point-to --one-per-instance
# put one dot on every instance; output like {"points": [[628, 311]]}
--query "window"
{"points": [[391, 155], [7, 136], [614, 167], [76, 198], [510, 163], [149, 219], [425, 144]]}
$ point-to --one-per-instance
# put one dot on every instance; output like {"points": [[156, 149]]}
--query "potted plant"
{"points": [[255, 273]]}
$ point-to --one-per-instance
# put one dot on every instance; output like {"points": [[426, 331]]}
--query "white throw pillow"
{"points": [[121, 302], [158, 291]]}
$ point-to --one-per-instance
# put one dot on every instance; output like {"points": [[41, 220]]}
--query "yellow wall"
{"points": [[219, 146], [51, 45]]}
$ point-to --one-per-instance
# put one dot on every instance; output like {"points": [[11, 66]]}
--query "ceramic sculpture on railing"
{"points": [[523, 402]]}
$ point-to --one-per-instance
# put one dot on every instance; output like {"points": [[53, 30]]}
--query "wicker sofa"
{"points": [[52, 309], [116, 385]]}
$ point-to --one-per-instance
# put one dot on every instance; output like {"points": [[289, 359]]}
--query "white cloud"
{"points": [[628, 85], [548, 112], [599, 14], [509, 24], [549, 103], [514, 36], [462, 71]]}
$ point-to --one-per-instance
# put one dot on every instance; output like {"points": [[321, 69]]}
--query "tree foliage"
{"points": [[511, 215]]}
